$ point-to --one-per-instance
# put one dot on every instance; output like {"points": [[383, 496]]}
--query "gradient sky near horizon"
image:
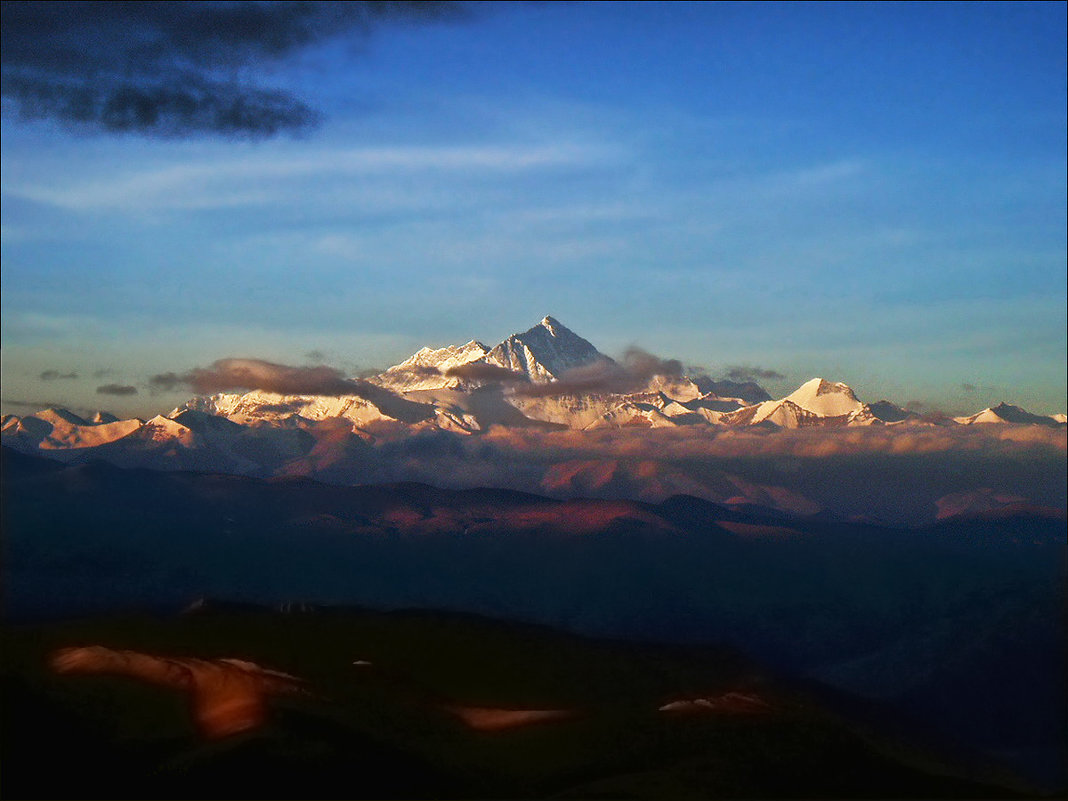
{"points": [[874, 193]]}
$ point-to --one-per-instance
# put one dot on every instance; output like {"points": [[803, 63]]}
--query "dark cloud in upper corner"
{"points": [[116, 389], [55, 375], [175, 69]]}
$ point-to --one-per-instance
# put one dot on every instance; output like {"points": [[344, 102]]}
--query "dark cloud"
{"points": [[175, 69], [227, 375], [166, 382], [38, 405], [315, 356], [480, 371], [929, 413], [417, 370], [740, 372], [969, 387], [248, 374], [632, 373], [116, 389], [55, 375], [642, 365], [279, 408]]}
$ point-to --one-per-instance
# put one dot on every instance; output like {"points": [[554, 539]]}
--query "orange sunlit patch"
{"points": [[492, 719], [227, 696]]}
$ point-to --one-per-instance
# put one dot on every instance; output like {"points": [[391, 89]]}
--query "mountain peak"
{"points": [[1006, 407], [825, 398], [1007, 413], [544, 351], [551, 323]]}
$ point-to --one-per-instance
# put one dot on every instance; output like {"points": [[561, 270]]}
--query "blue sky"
{"points": [[871, 193]]}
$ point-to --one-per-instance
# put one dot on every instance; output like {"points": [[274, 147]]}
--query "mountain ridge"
{"points": [[636, 428]]}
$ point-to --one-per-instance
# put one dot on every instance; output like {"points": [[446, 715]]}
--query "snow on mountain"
{"points": [[569, 411], [888, 412], [816, 402], [747, 393], [825, 399], [259, 430], [61, 429], [208, 424], [61, 418], [420, 390], [164, 429], [781, 413], [630, 414], [540, 354], [259, 406], [90, 436], [679, 389], [426, 369], [544, 352], [1007, 413]]}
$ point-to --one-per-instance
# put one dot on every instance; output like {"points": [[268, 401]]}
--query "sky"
{"points": [[872, 193]]}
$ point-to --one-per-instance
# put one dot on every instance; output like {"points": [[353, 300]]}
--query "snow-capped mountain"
{"points": [[60, 429], [521, 395], [541, 354], [429, 368], [1007, 413], [545, 352], [468, 389]]}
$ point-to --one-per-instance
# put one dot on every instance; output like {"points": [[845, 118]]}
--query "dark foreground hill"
{"points": [[432, 705], [958, 626]]}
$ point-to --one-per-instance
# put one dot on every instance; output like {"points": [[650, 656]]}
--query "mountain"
{"points": [[472, 387], [543, 380], [955, 624], [540, 354], [748, 392], [428, 368], [825, 399], [1007, 413], [817, 402], [545, 352], [60, 429]]}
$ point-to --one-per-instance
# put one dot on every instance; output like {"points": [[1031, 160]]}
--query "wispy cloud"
{"points": [[38, 405], [253, 180]]}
